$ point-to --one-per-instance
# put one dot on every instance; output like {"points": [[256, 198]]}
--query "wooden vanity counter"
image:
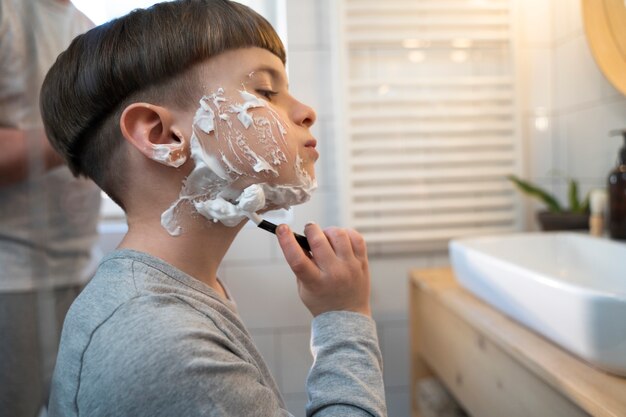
{"points": [[495, 366]]}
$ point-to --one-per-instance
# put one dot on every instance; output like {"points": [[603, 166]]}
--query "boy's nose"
{"points": [[303, 115]]}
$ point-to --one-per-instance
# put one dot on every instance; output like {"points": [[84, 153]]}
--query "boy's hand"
{"points": [[336, 276]]}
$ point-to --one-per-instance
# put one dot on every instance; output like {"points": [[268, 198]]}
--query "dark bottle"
{"points": [[617, 195]]}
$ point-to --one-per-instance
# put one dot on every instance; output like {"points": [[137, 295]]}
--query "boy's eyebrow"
{"points": [[273, 72]]}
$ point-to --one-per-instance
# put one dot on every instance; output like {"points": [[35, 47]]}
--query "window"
{"points": [[430, 120]]}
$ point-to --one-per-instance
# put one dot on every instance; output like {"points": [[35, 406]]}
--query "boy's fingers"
{"points": [[358, 243], [298, 261], [321, 249], [340, 242]]}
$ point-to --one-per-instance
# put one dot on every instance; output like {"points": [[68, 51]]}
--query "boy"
{"points": [[182, 114]]}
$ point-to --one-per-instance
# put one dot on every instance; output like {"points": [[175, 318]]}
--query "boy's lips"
{"points": [[309, 146]]}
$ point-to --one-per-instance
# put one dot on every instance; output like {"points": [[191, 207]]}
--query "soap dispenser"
{"points": [[617, 194]]}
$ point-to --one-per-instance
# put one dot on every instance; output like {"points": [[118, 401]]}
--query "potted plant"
{"points": [[556, 217]]}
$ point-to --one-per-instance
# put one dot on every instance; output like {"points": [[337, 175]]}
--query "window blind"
{"points": [[430, 128]]}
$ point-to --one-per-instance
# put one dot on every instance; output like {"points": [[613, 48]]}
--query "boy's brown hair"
{"points": [[147, 55]]}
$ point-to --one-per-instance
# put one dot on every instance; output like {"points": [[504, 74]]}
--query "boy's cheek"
{"points": [[255, 152], [261, 150]]}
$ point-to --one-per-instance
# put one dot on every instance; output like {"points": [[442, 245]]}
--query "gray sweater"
{"points": [[145, 339]]}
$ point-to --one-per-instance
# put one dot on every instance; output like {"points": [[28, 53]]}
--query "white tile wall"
{"points": [[312, 211], [578, 80], [266, 295], [250, 245], [440, 260], [307, 24], [308, 82], [587, 108], [266, 342], [582, 105], [389, 285], [110, 235], [398, 402], [394, 339], [296, 359], [535, 67], [296, 403], [589, 150], [567, 18], [535, 22], [559, 143], [539, 147]]}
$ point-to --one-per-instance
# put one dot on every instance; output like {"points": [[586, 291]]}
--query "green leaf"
{"points": [[572, 195], [536, 192], [584, 207]]}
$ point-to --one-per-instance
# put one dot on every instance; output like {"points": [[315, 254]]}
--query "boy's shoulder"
{"points": [[152, 346], [125, 275], [132, 290], [131, 326]]}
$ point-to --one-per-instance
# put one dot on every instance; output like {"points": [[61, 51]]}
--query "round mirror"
{"points": [[605, 26]]}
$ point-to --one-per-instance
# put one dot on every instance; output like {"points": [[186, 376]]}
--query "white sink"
{"points": [[569, 287]]}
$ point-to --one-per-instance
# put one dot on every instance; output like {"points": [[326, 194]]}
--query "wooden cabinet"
{"points": [[494, 366]]}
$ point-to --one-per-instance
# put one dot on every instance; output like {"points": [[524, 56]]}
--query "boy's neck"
{"points": [[197, 251]]}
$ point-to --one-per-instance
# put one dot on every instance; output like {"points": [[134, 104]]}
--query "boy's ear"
{"points": [[151, 129]]}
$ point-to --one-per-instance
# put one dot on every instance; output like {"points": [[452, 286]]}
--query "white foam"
{"points": [[166, 154], [204, 118], [251, 101], [209, 187]]}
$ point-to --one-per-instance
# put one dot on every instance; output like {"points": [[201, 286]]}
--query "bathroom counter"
{"points": [[494, 366]]}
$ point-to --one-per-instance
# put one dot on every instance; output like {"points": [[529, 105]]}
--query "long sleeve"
{"points": [[145, 340], [346, 378], [157, 356]]}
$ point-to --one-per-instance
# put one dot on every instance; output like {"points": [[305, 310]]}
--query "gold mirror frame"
{"points": [[605, 27]]}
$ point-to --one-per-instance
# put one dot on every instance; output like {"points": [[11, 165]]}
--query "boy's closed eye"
{"points": [[267, 93]]}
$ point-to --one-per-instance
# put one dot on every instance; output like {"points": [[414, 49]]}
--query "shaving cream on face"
{"points": [[226, 152], [205, 118], [251, 101], [252, 199]]}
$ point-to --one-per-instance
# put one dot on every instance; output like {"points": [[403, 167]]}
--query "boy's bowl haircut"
{"points": [[148, 55]]}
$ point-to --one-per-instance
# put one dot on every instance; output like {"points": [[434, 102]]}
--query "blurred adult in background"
{"points": [[48, 218]]}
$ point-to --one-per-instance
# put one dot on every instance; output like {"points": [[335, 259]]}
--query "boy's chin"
{"points": [[310, 169], [273, 207], [270, 207]]}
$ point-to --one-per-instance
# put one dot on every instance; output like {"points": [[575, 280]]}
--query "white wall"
{"points": [[561, 79]]}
